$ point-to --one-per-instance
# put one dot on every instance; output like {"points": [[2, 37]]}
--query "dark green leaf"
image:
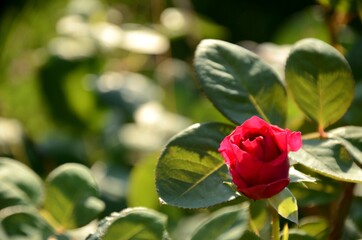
{"points": [[239, 83], [249, 235], [285, 204], [132, 223], [329, 158], [23, 223], [191, 172], [226, 223], [21, 177], [72, 196], [320, 80]]}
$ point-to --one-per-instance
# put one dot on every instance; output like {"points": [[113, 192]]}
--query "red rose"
{"points": [[256, 154]]}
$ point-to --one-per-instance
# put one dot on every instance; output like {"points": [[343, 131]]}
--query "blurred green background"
{"points": [[107, 83]]}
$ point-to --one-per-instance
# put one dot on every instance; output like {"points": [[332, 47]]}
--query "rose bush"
{"points": [[256, 154]]}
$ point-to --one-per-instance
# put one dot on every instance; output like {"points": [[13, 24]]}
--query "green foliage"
{"points": [[226, 223], [132, 223], [297, 176], [85, 76], [72, 196], [27, 185], [23, 223], [70, 201], [239, 83], [190, 172], [330, 158], [320, 80], [285, 204]]}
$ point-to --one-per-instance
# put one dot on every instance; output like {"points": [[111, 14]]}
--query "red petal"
{"points": [[294, 141], [265, 190], [255, 147], [247, 166], [274, 170]]}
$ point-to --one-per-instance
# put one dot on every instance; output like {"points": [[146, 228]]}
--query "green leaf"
{"points": [[297, 176], [239, 83], [72, 196], [320, 80], [316, 227], [226, 223], [11, 196], [322, 192], [260, 219], [132, 223], [329, 158], [351, 138], [249, 235], [21, 177], [191, 172], [23, 223], [286, 205]]}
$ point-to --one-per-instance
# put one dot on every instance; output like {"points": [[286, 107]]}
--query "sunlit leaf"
{"points": [[226, 223], [298, 176], [285, 204], [329, 158], [239, 83], [132, 223], [320, 80], [21, 177], [191, 172], [72, 196]]}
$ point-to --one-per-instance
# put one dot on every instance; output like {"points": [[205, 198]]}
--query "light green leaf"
{"points": [[329, 158], [286, 205], [227, 223], [239, 83], [320, 80], [298, 176], [316, 227], [191, 172], [21, 222], [132, 223], [72, 196], [21, 177]]}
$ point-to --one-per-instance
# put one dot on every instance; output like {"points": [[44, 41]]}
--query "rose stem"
{"points": [[341, 213], [322, 133], [275, 223]]}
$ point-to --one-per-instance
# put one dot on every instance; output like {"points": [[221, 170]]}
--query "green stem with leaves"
{"points": [[275, 223]]}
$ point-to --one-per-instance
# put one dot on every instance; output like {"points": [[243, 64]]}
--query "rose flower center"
{"points": [[261, 147]]}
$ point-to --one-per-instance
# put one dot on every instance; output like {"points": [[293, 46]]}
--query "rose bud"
{"points": [[256, 154]]}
